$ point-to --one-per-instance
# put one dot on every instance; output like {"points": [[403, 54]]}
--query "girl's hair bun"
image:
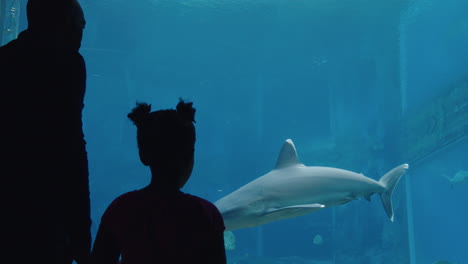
{"points": [[186, 111], [140, 113]]}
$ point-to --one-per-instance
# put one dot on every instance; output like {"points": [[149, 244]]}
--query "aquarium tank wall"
{"points": [[359, 85]]}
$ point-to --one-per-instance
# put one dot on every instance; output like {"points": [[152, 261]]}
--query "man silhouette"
{"points": [[44, 168]]}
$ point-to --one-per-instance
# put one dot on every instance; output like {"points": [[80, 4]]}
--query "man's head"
{"points": [[63, 18], [166, 139]]}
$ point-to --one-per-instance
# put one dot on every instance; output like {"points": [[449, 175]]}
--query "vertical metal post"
{"points": [[403, 68], [259, 113], [331, 110], [130, 99], [409, 213], [333, 233], [259, 107], [403, 92], [260, 241]]}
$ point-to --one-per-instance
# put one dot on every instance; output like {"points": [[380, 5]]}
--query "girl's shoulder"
{"points": [[123, 201]]}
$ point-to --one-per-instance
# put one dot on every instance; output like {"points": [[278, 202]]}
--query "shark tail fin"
{"points": [[389, 181]]}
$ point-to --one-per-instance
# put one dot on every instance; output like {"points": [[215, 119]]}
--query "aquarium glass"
{"points": [[360, 85]]}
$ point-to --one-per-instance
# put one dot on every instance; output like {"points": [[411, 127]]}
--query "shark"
{"points": [[293, 189]]}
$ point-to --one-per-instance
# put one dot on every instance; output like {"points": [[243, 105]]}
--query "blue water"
{"points": [[324, 73]]}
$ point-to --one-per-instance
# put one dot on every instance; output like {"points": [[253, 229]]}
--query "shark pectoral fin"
{"points": [[294, 209], [368, 197]]}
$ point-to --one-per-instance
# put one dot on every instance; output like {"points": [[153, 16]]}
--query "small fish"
{"points": [[318, 240], [459, 177], [441, 262], [229, 240]]}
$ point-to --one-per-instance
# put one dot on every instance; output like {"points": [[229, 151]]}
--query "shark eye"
{"points": [[256, 203]]}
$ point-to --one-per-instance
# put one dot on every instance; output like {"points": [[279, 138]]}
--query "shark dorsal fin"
{"points": [[288, 156]]}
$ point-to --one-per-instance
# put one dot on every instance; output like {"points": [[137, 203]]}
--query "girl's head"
{"points": [[166, 139]]}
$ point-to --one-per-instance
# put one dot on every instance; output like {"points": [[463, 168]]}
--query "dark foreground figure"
{"points": [[159, 223], [43, 166]]}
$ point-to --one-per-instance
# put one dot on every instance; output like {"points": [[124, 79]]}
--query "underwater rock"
{"points": [[318, 240], [229, 240], [432, 127]]}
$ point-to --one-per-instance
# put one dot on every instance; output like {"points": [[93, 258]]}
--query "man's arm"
{"points": [[79, 219]]}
